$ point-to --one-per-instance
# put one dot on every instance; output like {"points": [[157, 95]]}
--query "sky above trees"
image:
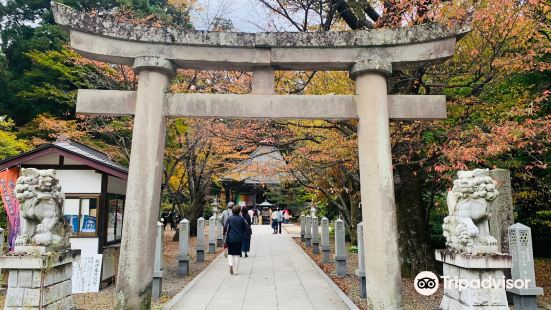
{"points": [[246, 15]]}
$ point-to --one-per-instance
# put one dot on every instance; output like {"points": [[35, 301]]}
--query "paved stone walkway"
{"points": [[276, 275]]}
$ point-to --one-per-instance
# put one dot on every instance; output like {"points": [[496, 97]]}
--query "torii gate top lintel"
{"points": [[96, 36]]}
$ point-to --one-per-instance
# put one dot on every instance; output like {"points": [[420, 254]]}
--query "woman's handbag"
{"points": [[225, 243]]}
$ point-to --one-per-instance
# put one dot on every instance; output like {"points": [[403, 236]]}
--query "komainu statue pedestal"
{"points": [[39, 281], [40, 265], [472, 265], [473, 281]]}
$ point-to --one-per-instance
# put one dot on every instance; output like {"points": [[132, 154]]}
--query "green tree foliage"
{"points": [[51, 83], [10, 145], [39, 73], [27, 27]]}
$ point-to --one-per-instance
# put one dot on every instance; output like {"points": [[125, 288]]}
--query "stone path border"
{"points": [[198, 277], [332, 284]]}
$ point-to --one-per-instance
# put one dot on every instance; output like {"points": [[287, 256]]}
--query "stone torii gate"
{"points": [[155, 53]]}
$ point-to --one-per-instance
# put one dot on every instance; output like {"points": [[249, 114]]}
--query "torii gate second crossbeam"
{"points": [[155, 53]]}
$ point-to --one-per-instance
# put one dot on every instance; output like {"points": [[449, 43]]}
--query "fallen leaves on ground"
{"points": [[350, 284], [172, 282]]}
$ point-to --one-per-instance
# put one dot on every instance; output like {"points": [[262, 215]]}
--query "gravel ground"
{"points": [[412, 300], [350, 283], [172, 282], [543, 279]]}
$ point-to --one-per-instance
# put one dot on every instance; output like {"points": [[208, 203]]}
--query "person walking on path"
{"points": [[279, 220], [172, 215], [234, 233], [226, 213], [251, 214], [255, 216], [247, 236], [176, 220], [273, 221], [224, 216], [164, 217], [286, 215]]}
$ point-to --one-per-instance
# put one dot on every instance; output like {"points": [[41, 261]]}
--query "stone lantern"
{"points": [[215, 204]]}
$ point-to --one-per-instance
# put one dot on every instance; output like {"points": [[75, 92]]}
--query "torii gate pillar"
{"points": [[377, 185], [144, 184]]}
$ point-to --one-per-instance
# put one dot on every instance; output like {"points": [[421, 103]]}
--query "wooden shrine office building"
{"points": [[95, 189]]}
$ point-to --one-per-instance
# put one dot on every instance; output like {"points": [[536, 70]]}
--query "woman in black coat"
{"points": [[234, 232], [247, 237]]}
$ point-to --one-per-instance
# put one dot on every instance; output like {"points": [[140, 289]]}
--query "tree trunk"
{"points": [[413, 244], [353, 223], [196, 210], [354, 201]]}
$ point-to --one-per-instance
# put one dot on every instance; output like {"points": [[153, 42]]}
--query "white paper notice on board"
{"points": [[87, 273]]}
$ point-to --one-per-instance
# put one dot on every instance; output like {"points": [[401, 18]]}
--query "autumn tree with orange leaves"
{"points": [[497, 86]]}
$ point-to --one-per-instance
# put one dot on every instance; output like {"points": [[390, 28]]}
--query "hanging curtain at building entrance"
{"points": [[8, 178]]}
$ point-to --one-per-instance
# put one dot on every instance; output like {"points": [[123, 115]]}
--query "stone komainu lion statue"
{"points": [[41, 204], [466, 228]]}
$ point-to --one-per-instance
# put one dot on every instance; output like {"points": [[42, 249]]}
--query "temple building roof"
{"points": [[265, 165], [71, 149]]}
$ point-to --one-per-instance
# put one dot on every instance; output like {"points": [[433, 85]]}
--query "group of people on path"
{"points": [[277, 220], [237, 222], [172, 218], [237, 232], [279, 217]]}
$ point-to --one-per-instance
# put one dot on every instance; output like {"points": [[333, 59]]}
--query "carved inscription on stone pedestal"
{"points": [[501, 209]]}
